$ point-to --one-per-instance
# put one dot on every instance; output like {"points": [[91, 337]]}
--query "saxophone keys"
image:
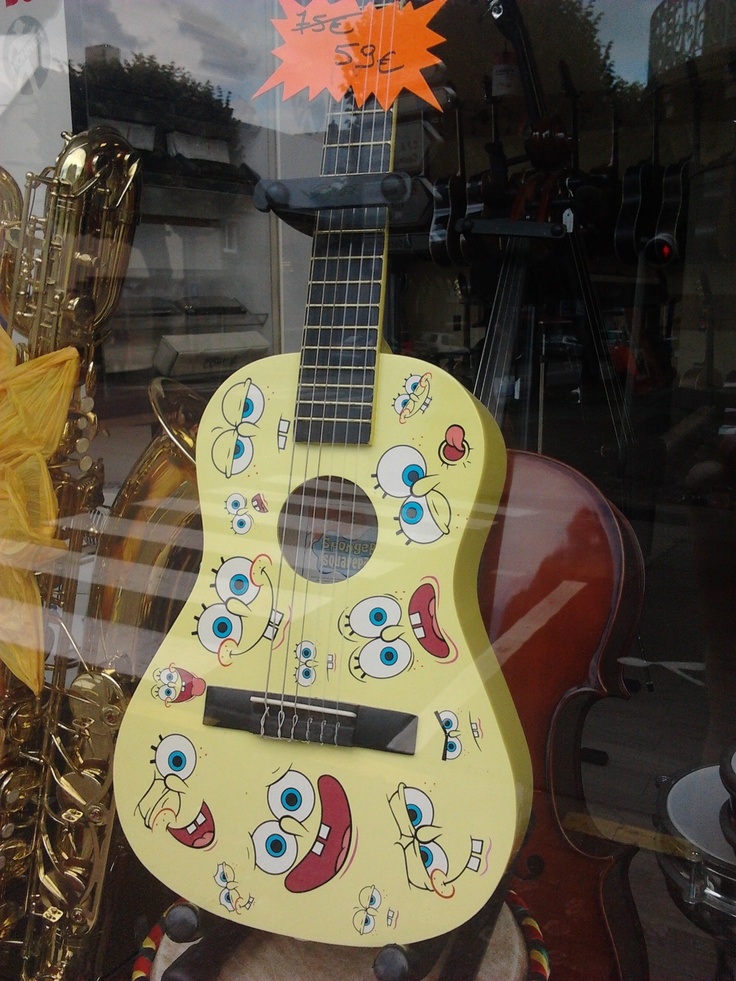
{"points": [[14, 853], [53, 914], [24, 722], [19, 788], [10, 914]]}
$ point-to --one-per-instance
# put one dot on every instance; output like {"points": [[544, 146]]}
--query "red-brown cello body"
{"points": [[561, 587]]}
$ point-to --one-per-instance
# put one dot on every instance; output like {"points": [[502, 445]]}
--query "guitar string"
{"points": [[287, 541], [365, 269], [349, 261], [323, 246], [341, 239], [303, 535], [325, 260], [352, 269], [293, 530], [344, 267]]}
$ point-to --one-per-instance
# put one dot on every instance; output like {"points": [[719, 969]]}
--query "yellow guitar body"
{"points": [[332, 753]]}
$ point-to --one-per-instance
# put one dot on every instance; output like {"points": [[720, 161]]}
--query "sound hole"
{"points": [[327, 529]]}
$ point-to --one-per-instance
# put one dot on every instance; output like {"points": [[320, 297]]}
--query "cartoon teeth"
{"points": [[476, 855], [237, 506], [245, 614], [230, 897], [175, 684], [427, 863], [415, 397], [322, 835], [424, 622], [379, 620], [281, 844], [175, 762]]}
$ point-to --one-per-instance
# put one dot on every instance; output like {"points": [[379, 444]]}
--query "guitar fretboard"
{"points": [[344, 304]]}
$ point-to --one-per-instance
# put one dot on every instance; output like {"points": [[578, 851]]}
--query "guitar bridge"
{"points": [[329, 723]]}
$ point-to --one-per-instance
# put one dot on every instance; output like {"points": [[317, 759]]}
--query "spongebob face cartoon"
{"points": [[168, 802], [306, 735]]}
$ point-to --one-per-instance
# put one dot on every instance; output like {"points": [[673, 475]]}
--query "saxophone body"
{"points": [[64, 248]]}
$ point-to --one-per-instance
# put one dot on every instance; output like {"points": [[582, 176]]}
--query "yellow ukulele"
{"points": [[324, 745]]}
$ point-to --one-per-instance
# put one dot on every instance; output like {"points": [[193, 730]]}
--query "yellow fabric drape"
{"points": [[34, 402]]}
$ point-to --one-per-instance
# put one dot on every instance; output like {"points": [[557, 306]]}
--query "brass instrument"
{"points": [[61, 271]]}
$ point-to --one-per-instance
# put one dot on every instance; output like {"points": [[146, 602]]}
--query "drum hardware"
{"points": [[700, 868], [727, 771]]}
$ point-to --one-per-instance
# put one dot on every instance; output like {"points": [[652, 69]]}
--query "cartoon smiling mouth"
{"points": [[200, 833], [423, 620], [258, 503], [330, 850]]}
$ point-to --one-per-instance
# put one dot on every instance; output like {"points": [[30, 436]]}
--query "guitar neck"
{"points": [[344, 312]]}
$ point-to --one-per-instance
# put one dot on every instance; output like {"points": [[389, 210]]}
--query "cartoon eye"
{"points": [[305, 675], [417, 521], [233, 581], [235, 503], [175, 755], [228, 899], [369, 897], [411, 383], [166, 692], [418, 807], [305, 651], [400, 403], [242, 455], [448, 721], [242, 524], [399, 469], [224, 874], [243, 402], [433, 857], [453, 748], [275, 851], [216, 625], [253, 405], [292, 795], [364, 922], [371, 615], [379, 659], [231, 454]]}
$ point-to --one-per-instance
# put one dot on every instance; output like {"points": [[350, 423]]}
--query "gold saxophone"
{"points": [[64, 248]]}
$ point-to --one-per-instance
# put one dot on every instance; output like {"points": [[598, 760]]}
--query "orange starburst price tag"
{"points": [[375, 51]]}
